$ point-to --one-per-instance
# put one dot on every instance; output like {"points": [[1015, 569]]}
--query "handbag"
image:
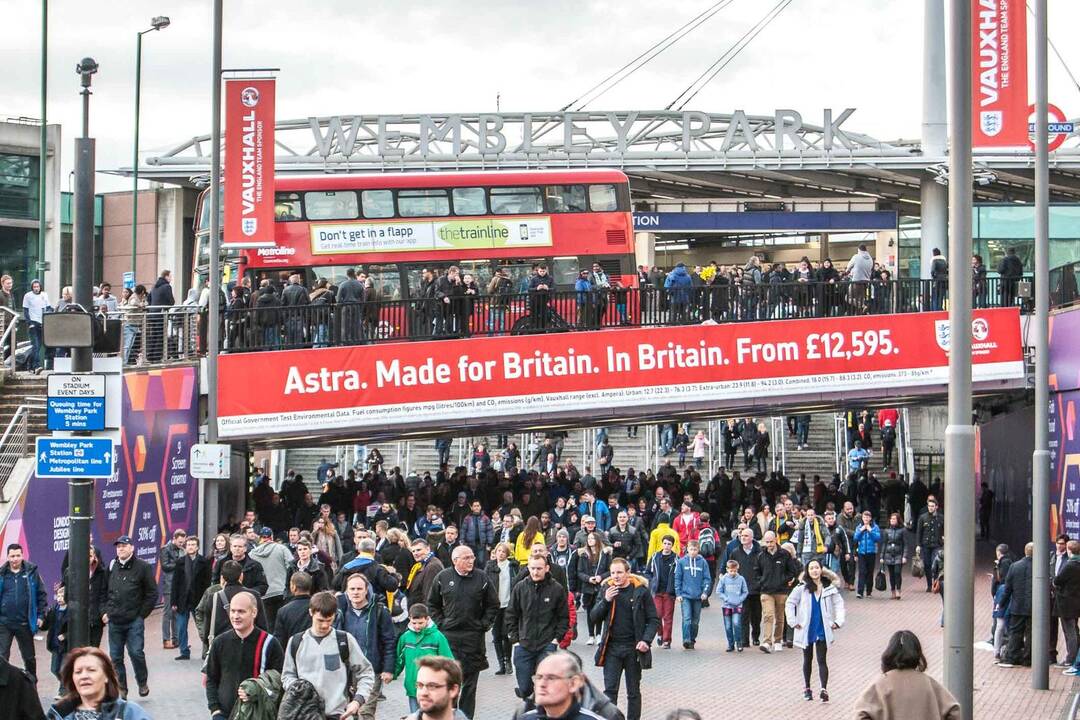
{"points": [[879, 580], [917, 569]]}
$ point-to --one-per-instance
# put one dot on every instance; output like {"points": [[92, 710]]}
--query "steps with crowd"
{"points": [[818, 457]]}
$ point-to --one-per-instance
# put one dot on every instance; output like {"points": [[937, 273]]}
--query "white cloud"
{"points": [[340, 56]]}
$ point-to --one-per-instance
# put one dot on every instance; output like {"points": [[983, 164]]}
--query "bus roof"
{"points": [[431, 180]]}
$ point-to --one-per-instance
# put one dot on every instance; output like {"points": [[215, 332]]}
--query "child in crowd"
{"points": [[732, 591], [56, 622], [420, 640]]}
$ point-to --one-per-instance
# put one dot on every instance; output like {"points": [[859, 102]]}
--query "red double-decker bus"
{"points": [[392, 227]]}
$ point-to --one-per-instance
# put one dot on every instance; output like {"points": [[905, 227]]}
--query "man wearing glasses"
{"points": [[463, 604], [438, 684], [559, 681]]}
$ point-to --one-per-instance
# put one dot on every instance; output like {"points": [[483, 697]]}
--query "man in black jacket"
{"points": [[1067, 600], [630, 623], [161, 298], [536, 619], [294, 296], [190, 580], [1011, 269], [23, 604], [350, 296], [293, 617], [929, 534], [745, 553], [17, 693], [624, 537], [776, 570], [1018, 596], [254, 577], [132, 597], [463, 604], [245, 651]]}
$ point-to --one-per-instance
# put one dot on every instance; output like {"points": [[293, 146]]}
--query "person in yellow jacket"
{"points": [[525, 539], [656, 539]]}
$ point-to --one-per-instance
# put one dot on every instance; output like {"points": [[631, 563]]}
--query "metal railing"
{"points": [[9, 340], [1065, 285], [159, 335], [270, 326], [15, 443]]}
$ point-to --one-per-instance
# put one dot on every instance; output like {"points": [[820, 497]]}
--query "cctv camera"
{"points": [[86, 66]]}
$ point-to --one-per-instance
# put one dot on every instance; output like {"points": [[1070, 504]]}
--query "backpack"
{"points": [[707, 542], [343, 651]]}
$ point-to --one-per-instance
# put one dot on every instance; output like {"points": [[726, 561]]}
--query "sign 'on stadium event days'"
{"points": [[370, 385]]}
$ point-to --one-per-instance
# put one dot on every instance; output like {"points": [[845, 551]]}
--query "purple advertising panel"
{"points": [[152, 492], [1064, 431]]}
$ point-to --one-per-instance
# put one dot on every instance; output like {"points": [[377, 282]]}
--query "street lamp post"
{"points": [[158, 23]]}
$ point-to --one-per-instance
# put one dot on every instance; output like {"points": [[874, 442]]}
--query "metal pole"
{"points": [[1040, 477], [215, 236], [81, 491], [960, 432], [135, 155], [43, 150]]}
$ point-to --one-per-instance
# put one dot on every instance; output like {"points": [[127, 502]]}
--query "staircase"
{"points": [[22, 420], [819, 458], [17, 389]]}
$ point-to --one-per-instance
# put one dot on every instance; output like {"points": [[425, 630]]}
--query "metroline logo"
{"points": [[275, 251]]}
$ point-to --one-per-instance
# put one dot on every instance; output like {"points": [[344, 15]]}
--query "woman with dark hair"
{"points": [[815, 609], [593, 567], [904, 690], [93, 690], [894, 552]]}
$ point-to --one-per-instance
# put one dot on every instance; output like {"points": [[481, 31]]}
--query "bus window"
{"points": [[378, 203], [423, 203], [603, 198], [287, 206], [469, 201], [566, 271], [565, 198], [386, 279], [332, 205], [516, 200]]}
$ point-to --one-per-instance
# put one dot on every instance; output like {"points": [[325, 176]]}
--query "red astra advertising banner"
{"points": [[249, 163], [999, 113], [380, 385]]}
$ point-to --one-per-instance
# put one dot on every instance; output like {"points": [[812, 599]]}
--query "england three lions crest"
{"points": [[942, 334], [991, 122]]}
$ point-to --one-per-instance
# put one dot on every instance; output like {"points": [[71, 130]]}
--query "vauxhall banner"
{"points": [[999, 110], [380, 385], [249, 163]]}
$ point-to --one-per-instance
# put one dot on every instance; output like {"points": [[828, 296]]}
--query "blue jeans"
{"points": [[733, 629], [691, 616], [525, 662], [271, 339], [414, 705], [37, 346], [181, 632], [496, 319], [131, 634], [130, 333]]}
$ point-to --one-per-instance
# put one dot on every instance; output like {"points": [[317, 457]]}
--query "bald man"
{"points": [[463, 603], [238, 654]]}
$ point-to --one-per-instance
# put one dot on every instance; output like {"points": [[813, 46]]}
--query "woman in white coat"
{"points": [[815, 609]]}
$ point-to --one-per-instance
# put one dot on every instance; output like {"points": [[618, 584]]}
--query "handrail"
{"points": [[14, 443], [10, 329], [1065, 285]]}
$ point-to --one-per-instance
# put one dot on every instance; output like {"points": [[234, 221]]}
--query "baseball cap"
{"points": [[266, 532], [587, 518], [122, 540]]}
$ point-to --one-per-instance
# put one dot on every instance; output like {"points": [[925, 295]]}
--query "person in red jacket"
{"points": [[687, 524]]}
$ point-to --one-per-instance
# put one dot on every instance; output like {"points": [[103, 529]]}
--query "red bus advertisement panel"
{"points": [[379, 385]]}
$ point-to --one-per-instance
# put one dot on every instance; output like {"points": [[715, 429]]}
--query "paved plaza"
{"points": [[709, 680]]}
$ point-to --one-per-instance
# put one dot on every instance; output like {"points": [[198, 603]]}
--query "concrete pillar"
{"points": [[935, 223], [645, 249]]}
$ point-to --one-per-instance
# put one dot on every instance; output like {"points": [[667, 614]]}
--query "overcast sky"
{"points": [[367, 56]]}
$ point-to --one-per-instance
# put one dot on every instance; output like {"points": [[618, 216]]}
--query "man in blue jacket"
{"points": [[598, 510], [693, 584], [370, 625], [678, 286], [23, 603]]}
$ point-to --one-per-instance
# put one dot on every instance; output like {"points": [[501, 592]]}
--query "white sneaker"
{"points": [[777, 647], [591, 640]]}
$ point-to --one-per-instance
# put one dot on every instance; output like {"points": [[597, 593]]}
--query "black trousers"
{"points": [[751, 620], [822, 648], [272, 605], [467, 698], [867, 564], [620, 660], [1018, 650], [926, 552], [896, 576], [25, 638], [499, 637]]}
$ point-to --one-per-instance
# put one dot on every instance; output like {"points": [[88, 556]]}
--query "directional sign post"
{"points": [[76, 402], [210, 461], [74, 457]]}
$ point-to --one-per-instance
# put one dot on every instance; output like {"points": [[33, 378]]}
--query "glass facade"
{"points": [[19, 186], [995, 228]]}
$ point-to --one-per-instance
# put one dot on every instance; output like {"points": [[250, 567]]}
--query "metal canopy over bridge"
{"points": [[667, 153]]}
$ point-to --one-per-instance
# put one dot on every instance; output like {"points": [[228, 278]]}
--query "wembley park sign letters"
{"points": [[544, 135]]}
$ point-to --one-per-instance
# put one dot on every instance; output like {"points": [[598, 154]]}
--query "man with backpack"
{"points": [[368, 622], [337, 669]]}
